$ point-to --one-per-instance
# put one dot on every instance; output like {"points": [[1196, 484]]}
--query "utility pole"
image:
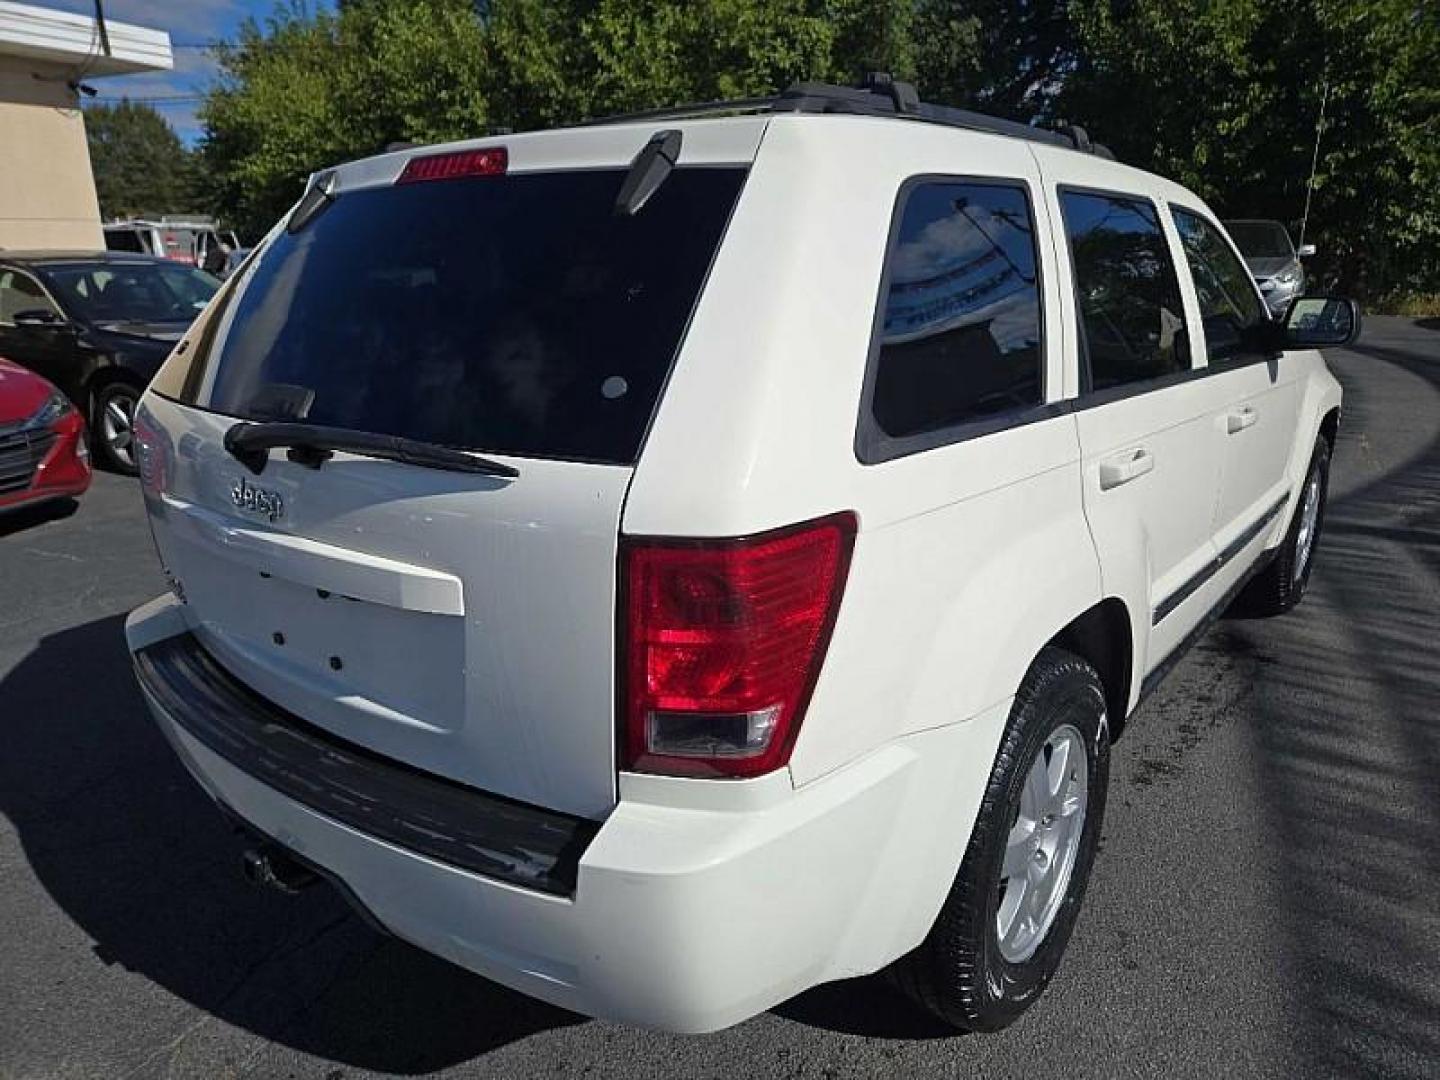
{"points": [[1314, 158]]}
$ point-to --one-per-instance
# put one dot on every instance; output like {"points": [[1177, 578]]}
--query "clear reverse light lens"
{"points": [[711, 735]]}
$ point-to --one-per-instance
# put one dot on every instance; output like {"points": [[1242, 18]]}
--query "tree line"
{"points": [[1222, 95]]}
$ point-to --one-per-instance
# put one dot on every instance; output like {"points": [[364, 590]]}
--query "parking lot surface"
{"points": [[1265, 901]]}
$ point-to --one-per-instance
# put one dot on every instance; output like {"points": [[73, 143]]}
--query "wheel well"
{"points": [[1330, 427], [1102, 636]]}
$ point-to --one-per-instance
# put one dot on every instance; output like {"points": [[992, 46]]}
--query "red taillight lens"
{"points": [[492, 161], [724, 640]]}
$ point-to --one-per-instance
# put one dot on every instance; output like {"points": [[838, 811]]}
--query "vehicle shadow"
{"points": [[28, 517], [869, 1007], [1347, 751], [126, 843]]}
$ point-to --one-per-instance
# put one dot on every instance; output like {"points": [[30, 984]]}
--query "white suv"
{"points": [[665, 564]]}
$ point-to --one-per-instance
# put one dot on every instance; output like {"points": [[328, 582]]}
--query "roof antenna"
{"points": [[651, 168]]}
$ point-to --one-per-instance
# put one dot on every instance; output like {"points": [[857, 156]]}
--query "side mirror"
{"points": [[1318, 321], [38, 317], [1305, 251]]}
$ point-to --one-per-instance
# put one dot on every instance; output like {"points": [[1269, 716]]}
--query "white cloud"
{"points": [[948, 242], [194, 72]]}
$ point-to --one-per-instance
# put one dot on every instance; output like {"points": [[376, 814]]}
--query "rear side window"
{"points": [[179, 243], [960, 326], [1230, 310], [122, 240], [1130, 307], [511, 314], [19, 292]]}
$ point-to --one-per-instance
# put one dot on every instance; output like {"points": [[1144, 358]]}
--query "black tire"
{"points": [[958, 972], [1281, 585], [110, 452]]}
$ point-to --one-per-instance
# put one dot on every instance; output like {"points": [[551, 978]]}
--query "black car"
{"points": [[98, 325]]}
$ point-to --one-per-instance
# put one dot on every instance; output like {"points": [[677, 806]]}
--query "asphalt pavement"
{"points": [[1266, 901]]}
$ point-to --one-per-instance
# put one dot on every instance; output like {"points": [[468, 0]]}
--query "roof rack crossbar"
{"points": [[881, 95], [681, 112]]}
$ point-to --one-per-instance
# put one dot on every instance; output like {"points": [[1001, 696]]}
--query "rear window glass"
{"points": [[133, 291], [516, 314]]}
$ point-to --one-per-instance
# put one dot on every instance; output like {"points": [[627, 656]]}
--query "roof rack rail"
{"points": [[880, 94]]}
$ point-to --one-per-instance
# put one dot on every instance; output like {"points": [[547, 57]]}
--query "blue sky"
{"points": [[189, 23]]}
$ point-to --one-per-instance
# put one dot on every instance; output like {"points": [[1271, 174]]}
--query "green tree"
{"points": [[140, 165], [1225, 97], [553, 61], [306, 90], [996, 56], [1222, 95]]}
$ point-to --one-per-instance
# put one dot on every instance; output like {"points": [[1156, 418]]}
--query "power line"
{"points": [[164, 99]]}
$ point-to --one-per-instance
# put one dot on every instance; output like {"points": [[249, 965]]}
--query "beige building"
{"points": [[47, 191]]}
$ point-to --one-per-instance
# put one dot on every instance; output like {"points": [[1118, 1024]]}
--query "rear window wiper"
{"points": [[317, 199], [650, 169], [314, 444]]}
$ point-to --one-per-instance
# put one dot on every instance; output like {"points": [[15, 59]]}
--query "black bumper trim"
{"points": [[429, 815]]}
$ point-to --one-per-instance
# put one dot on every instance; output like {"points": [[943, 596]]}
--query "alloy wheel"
{"points": [[117, 426], [1309, 524], [1042, 844]]}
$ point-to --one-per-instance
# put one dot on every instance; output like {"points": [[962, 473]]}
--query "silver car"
{"points": [[1272, 259]]}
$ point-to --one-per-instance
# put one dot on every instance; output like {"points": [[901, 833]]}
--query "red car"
{"points": [[43, 453]]}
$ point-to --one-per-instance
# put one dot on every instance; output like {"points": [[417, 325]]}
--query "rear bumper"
{"points": [[428, 815], [696, 904]]}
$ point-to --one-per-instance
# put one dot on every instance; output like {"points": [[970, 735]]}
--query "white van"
{"points": [[665, 564]]}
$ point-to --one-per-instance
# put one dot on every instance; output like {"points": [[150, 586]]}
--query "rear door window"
{"points": [[516, 314], [1130, 308], [960, 326]]}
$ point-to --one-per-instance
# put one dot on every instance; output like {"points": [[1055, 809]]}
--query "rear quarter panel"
{"points": [[970, 556]]}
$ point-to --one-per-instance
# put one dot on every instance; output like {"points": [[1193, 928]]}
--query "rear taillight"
{"points": [[492, 161], [724, 640]]}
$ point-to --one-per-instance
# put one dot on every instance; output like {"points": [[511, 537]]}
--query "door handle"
{"points": [[1122, 468], [1240, 419]]}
